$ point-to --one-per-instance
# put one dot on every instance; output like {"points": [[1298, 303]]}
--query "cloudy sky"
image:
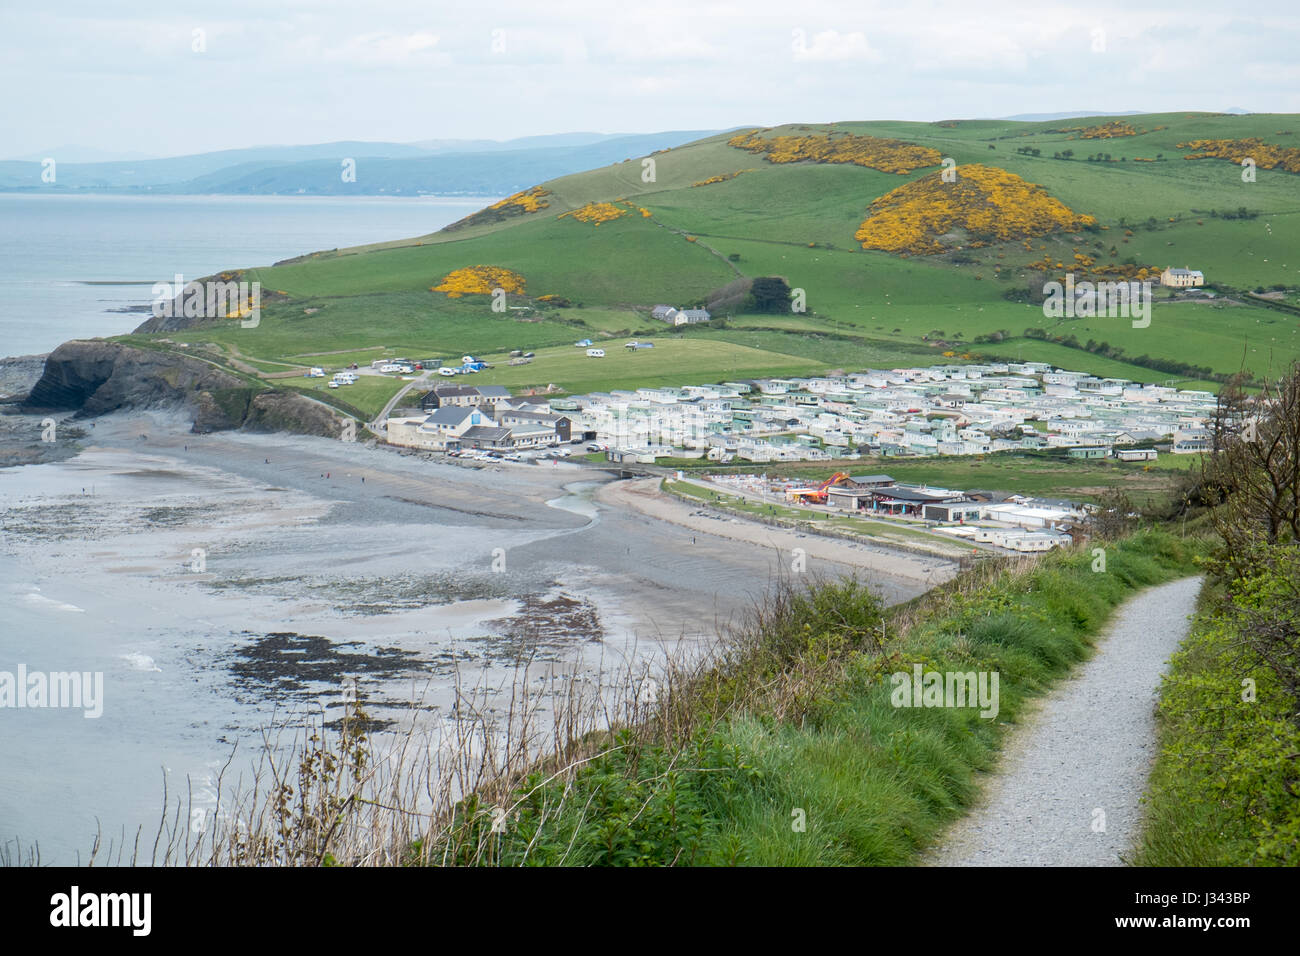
{"points": [[184, 76]]}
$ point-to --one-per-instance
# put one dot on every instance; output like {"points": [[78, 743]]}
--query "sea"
{"points": [[69, 263]]}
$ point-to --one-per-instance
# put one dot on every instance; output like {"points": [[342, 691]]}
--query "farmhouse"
{"points": [[674, 316], [1181, 278]]}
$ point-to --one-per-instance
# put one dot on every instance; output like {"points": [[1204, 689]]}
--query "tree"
{"points": [[769, 294], [1229, 413], [1114, 516], [1258, 469]]}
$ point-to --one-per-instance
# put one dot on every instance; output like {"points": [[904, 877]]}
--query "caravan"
{"points": [[595, 353]]}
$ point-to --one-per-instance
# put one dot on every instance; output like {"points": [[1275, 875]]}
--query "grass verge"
{"points": [[1222, 791], [790, 752]]}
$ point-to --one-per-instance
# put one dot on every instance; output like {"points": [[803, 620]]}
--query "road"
{"points": [[378, 424], [1072, 775]]}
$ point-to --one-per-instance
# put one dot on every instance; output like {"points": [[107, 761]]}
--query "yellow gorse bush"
{"points": [[720, 178], [1265, 155], [530, 200], [886, 155], [595, 213], [1086, 267], [479, 280], [989, 204], [520, 204], [1112, 130]]}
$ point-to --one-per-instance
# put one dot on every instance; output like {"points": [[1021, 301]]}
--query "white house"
{"points": [[1181, 278]]}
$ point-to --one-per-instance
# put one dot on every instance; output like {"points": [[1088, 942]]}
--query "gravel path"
{"points": [[1083, 752]]}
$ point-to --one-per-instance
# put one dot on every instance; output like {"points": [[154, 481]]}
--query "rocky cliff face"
{"points": [[95, 378], [18, 375]]}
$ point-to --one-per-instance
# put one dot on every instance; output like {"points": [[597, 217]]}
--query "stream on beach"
{"points": [[224, 582]]}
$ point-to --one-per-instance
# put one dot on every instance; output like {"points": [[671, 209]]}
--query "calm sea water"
{"points": [[54, 249]]}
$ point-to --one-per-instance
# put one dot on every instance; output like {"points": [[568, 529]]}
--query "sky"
{"points": [[140, 77]]}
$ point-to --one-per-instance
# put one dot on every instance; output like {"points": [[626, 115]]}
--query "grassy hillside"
{"points": [[696, 217], [793, 754]]}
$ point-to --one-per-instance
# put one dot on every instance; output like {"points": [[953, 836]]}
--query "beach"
{"points": [[221, 582]]}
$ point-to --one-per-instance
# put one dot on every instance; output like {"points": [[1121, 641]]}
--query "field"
{"points": [[678, 242], [369, 393], [1024, 474], [671, 362]]}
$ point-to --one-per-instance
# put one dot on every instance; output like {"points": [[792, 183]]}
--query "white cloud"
{"points": [[315, 70], [829, 45]]}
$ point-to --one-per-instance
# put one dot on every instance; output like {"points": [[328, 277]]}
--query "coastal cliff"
{"points": [[96, 378]]}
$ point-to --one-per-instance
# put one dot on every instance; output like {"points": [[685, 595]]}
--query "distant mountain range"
{"points": [[446, 167]]}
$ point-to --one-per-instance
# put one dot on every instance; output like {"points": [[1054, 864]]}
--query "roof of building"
{"points": [[451, 415], [920, 495], [485, 433], [532, 416]]}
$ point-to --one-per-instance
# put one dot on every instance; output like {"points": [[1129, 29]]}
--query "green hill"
{"points": [[692, 219]]}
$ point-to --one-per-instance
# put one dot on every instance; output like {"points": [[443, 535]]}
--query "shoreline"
{"points": [[644, 496], [306, 575]]}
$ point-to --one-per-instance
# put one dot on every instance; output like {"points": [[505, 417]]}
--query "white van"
{"points": [[446, 370], [595, 353]]}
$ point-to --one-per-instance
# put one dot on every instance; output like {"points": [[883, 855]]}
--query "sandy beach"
{"points": [[897, 573]]}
